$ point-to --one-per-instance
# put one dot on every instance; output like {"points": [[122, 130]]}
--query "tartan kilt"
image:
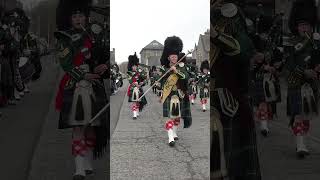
{"points": [[202, 93], [294, 102], [239, 139], [101, 101], [191, 92], [258, 93], [102, 131], [184, 108], [278, 90], [143, 100]]}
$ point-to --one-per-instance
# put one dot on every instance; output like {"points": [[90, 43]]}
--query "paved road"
{"points": [[20, 126], [139, 148], [116, 104], [277, 152]]}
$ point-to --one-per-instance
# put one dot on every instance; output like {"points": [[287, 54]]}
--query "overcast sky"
{"points": [[134, 24]]}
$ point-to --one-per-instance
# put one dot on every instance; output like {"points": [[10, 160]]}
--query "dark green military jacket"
{"points": [[304, 56]]}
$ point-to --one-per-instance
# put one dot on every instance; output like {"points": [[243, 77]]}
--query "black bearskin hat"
{"points": [[172, 45], [302, 11], [66, 8], [153, 68], [204, 65], [133, 60], [17, 18]]}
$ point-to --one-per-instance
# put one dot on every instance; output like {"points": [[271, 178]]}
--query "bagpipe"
{"points": [[164, 75]]}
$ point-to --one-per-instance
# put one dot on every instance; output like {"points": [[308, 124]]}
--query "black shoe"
{"points": [[301, 154], [89, 172], [265, 132], [171, 143], [134, 118], [203, 110], [176, 138], [78, 177]]}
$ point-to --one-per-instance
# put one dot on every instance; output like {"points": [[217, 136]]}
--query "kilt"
{"points": [[239, 139], [100, 101], [184, 108], [258, 92], [191, 92], [143, 100], [294, 102], [202, 93], [278, 90], [101, 130]]}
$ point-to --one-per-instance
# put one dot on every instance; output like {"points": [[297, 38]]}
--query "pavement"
{"points": [[117, 102], [277, 152], [20, 125], [140, 150]]}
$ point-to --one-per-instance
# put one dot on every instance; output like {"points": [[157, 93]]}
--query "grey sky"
{"points": [[134, 24]]}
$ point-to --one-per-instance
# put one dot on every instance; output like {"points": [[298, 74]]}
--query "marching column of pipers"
{"points": [[19, 56], [249, 59]]}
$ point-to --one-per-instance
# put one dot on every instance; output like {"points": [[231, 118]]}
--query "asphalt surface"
{"points": [[20, 125], [116, 104], [140, 150], [277, 152]]}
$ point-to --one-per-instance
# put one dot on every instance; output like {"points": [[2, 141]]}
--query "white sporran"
{"points": [[269, 88], [135, 94], [206, 93]]}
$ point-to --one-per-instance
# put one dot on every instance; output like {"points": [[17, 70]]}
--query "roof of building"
{"points": [[154, 45]]}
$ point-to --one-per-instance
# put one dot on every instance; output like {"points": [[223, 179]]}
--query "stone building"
{"points": [[123, 67], [202, 49], [151, 54]]}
